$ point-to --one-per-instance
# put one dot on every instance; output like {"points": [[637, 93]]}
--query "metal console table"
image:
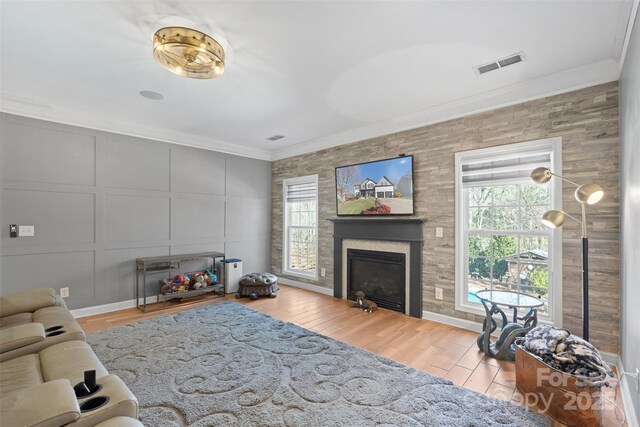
{"points": [[169, 265], [503, 347]]}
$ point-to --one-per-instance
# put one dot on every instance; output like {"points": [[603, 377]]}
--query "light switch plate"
{"points": [[323, 272], [439, 232], [26, 230], [439, 293], [64, 292]]}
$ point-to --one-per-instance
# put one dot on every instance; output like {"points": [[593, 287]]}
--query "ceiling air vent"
{"points": [[275, 137], [500, 63]]}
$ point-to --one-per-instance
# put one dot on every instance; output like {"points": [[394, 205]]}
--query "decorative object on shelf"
{"points": [[366, 305], [503, 348], [254, 285], [188, 281], [585, 194], [189, 53]]}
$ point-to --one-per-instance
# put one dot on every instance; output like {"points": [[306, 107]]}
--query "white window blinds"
{"points": [[301, 191], [516, 166]]}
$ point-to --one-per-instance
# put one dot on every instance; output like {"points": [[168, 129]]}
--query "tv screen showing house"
{"points": [[383, 187]]}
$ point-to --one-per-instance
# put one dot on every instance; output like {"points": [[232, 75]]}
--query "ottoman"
{"points": [[254, 285]]}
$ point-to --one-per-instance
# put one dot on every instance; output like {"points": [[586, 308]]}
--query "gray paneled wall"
{"points": [[99, 200]]}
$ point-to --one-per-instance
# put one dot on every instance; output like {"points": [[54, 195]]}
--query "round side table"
{"points": [[503, 348]]}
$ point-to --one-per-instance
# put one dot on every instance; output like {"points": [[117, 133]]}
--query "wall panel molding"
{"points": [[145, 198]]}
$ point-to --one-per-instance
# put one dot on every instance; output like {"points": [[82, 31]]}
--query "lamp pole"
{"points": [[585, 276]]}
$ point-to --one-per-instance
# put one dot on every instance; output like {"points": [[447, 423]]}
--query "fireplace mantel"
{"points": [[407, 230], [399, 230]]}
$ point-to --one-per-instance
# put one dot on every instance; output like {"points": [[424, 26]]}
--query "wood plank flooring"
{"points": [[438, 349]]}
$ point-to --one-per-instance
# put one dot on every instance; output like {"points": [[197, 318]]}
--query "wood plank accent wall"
{"points": [[587, 121]]}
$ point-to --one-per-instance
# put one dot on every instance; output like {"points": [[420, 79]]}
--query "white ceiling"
{"points": [[320, 73]]}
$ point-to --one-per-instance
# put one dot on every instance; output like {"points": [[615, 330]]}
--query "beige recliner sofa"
{"points": [[38, 390], [32, 320]]}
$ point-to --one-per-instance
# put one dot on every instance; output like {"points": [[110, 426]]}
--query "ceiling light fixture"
{"points": [[188, 53]]}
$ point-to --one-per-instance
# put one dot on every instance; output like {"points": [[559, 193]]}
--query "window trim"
{"points": [[554, 145], [285, 239]]}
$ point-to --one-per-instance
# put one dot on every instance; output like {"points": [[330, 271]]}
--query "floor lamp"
{"points": [[586, 194]]}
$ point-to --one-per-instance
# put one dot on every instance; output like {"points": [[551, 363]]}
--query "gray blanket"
{"points": [[568, 353]]}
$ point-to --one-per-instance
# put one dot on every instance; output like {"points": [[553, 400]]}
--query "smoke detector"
{"points": [[500, 63]]}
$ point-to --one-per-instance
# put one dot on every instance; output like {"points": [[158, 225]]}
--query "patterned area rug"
{"points": [[227, 365]]}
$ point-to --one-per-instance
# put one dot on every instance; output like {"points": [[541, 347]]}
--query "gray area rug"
{"points": [[227, 365]]}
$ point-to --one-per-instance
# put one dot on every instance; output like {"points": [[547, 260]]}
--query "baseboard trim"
{"points": [[625, 393], [107, 308], [469, 325], [306, 286]]}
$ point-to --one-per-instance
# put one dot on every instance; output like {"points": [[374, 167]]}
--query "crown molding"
{"points": [[37, 109], [553, 84], [577, 78]]}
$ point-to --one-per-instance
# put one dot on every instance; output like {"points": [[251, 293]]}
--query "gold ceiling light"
{"points": [[188, 53]]}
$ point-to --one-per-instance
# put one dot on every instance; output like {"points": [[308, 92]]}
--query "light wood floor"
{"points": [[432, 347]]}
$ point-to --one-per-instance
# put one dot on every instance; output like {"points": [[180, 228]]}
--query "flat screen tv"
{"points": [[383, 187]]}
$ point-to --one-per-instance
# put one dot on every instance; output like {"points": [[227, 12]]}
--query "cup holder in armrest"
{"points": [[93, 404], [82, 391], [54, 333], [53, 328]]}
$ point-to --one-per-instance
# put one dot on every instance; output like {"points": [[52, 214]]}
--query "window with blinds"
{"points": [[300, 255], [501, 243]]}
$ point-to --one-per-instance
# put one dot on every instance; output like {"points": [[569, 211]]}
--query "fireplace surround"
{"points": [[396, 236]]}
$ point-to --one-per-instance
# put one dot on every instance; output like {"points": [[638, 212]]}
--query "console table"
{"points": [[168, 265], [503, 347]]}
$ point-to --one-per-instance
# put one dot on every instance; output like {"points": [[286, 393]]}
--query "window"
{"points": [[300, 254], [500, 240]]}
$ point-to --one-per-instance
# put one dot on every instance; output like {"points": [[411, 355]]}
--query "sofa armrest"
{"points": [[19, 336], [27, 301], [50, 404]]}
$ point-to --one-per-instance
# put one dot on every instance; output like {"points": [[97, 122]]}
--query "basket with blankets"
{"points": [[562, 375]]}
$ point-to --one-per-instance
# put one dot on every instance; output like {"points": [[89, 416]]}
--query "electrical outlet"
{"points": [[439, 293], [323, 272], [64, 292], [439, 232]]}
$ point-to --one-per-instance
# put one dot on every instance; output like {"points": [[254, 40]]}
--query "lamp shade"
{"points": [[589, 194], [541, 175], [553, 218]]}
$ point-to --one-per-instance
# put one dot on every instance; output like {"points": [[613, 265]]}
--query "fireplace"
{"points": [[378, 246], [380, 275]]}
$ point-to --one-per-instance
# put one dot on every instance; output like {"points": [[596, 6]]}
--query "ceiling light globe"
{"points": [[589, 194], [553, 218], [541, 175]]}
